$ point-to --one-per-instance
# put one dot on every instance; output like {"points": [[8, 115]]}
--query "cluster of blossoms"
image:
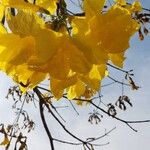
{"points": [[72, 55]]}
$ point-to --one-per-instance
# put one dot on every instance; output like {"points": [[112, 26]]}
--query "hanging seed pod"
{"points": [[141, 36]]}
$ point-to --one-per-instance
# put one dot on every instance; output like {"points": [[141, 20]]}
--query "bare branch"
{"points": [[41, 102], [118, 81], [119, 119]]}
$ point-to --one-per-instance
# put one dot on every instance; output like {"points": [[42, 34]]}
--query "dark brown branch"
{"points": [[41, 102], [119, 119], [85, 143], [34, 1], [3, 20], [50, 102], [124, 121], [39, 94]]}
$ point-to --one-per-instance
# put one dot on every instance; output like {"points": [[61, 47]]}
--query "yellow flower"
{"points": [[30, 24], [92, 34], [121, 2], [76, 90], [51, 49], [50, 5], [33, 51], [136, 6], [21, 4], [57, 86]]}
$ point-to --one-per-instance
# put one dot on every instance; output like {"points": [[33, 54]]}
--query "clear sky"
{"points": [[122, 138]]}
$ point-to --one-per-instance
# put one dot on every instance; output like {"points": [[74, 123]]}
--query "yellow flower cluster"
{"points": [[74, 62]]}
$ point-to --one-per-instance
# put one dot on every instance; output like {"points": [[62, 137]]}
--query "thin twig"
{"points": [[125, 71], [100, 137], [108, 84], [74, 108], [42, 88], [122, 83], [17, 119], [57, 112]]}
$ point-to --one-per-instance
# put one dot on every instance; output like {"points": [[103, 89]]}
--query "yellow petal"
{"points": [[58, 86], [21, 50], [50, 5], [97, 72], [92, 83], [2, 29], [87, 42], [29, 24], [2, 9], [117, 59], [92, 7], [118, 23], [21, 4], [121, 2], [66, 57], [136, 6], [76, 90], [27, 79]]}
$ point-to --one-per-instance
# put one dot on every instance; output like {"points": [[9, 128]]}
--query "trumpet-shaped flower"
{"points": [[74, 63]]}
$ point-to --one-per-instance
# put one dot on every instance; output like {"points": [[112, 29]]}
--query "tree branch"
{"points": [[119, 119], [118, 81], [41, 102], [39, 94]]}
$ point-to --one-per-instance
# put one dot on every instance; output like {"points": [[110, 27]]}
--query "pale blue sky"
{"points": [[122, 138]]}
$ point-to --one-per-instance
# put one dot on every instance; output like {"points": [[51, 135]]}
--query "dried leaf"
{"points": [[5, 140]]}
